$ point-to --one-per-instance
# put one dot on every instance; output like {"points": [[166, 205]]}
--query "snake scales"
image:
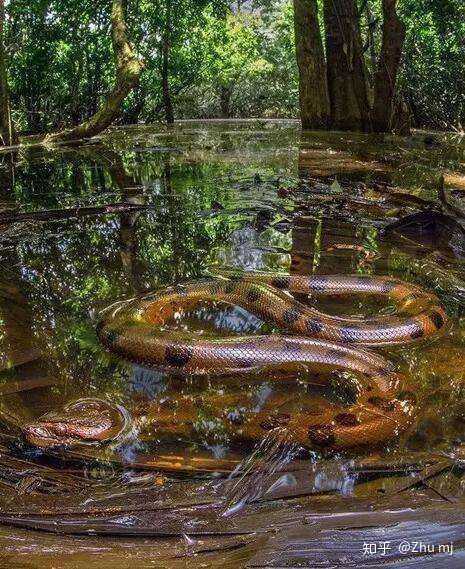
{"points": [[135, 330]]}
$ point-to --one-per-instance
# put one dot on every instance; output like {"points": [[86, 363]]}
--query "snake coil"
{"points": [[135, 330]]}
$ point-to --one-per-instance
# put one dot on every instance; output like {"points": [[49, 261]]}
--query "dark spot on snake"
{"points": [[382, 403], [437, 319], [274, 421], [319, 284], [291, 316], [177, 356], [295, 262], [418, 331], [383, 371], [246, 363], [322, 435], [279, 282], [253, 295], [382, 325], [288, 347], [314, 410], [347, 419], [250, 345], [314, 325], [349, 333]]}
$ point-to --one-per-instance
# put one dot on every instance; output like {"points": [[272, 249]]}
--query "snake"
{"points": [[138, 330]]}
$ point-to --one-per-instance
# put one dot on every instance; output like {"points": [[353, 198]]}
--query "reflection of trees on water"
{"points": [[16, 321], [73, 268], [250, 249], [23, 364], [97, 260], [325, 240]]}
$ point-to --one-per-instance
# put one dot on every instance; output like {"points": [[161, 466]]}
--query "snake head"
{"points": [[85, 421]]}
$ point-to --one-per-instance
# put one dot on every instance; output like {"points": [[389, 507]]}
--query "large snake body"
{"points": [[137, 330]]}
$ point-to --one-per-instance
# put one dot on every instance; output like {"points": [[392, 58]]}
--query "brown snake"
{"points": [[135, 330]]}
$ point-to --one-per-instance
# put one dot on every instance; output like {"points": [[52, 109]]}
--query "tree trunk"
{"points": [[75, 114], [131, 116], [371, 29], [313, 87], [166, 46], [128, 70], [388, 66], [7, 131], [226, 92], [348, 93]]}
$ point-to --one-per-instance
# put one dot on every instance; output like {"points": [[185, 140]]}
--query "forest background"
{"points": [[365, 65]]}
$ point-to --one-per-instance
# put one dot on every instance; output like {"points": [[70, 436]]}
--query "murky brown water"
{"points": [[149, 206]]}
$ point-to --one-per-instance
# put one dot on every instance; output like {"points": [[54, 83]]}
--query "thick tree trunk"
{"points": [[166, 46], [388, 66], [7, 131], [313, 88], [348, 93], [128, 69]]}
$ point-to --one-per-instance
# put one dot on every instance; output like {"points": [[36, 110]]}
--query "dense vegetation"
{"points": [[208, 58]]}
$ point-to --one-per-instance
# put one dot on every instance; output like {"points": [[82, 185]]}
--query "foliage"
{"points": [[433, 77], [61, 62]]}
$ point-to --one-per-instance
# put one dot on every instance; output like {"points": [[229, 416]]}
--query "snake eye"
{"points": [[347, 419]]}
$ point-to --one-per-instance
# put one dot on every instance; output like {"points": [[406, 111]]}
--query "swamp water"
{"points": [[148, 206]]}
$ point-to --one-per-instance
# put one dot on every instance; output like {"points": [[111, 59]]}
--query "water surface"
{"points": [[149, 206]]}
